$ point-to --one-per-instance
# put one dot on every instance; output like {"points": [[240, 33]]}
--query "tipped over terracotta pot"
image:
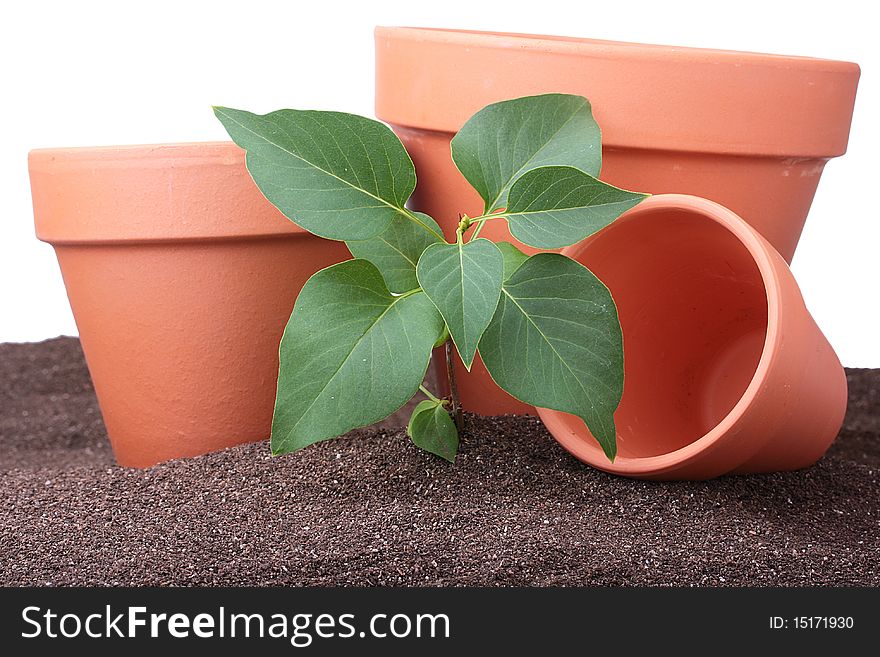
{"points": [[750, 131], [725, 369], [181, 277]]}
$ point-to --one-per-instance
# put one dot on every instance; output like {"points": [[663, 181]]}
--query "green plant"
{"points": [[361, 333]]}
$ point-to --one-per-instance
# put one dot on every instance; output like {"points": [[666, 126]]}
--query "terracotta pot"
{"points": [[725, 370], [747, 130], [181, 277]]}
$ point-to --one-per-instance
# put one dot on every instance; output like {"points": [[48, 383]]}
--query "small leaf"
{"points": [[552, 207], [396, 251], [351, 355], [513, 258], [444, 336], [555, 342], [464, 282], [339, 176], [502, 141], [431, 428]]}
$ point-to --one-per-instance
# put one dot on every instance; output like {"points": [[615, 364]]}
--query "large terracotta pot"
{"points": [[725, 370], [181, 277], [750, 131]]}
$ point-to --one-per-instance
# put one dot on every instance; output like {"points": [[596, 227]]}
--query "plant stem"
{"points": [[430, 395], [497, 214], [481, 221], [477, 230], [453, 387]]}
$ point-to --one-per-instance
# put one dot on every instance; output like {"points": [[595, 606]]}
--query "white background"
{"points": [[87, 73]]}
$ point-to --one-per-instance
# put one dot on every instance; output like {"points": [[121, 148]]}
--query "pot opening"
{"points": [[693, 309]]}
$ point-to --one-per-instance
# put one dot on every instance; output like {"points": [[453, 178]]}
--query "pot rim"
{"points": [[768, 264], [82, 195], [697, 100], [583, 45], [53, 157]]}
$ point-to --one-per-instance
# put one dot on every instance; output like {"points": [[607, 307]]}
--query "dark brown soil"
{"points": [[370, 509]]}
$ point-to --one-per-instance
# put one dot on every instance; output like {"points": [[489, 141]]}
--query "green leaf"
{"points": [[502, 141], [431, 428], [351, 354], [552, 207], [464, 282], [396, 251], [555, 342], [513, 258], [339, 176], [444, 336]]}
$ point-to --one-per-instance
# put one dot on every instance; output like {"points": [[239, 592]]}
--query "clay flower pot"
{"points": [[750, 131], [725, 370], [181, 277]]}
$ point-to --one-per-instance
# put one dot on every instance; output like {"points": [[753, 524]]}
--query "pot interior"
{"points": [[693, 310]]}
